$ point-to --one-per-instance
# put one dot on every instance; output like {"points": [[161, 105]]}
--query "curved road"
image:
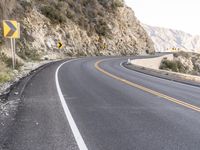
{"points": [[106, 107]]}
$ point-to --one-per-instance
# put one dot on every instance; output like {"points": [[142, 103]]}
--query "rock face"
{"points": [[166, 39], [6, 7], [85, 27]]}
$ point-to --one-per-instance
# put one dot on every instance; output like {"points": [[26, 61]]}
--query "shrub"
{"points": [[117, 3], [111, 4], [123, 53], [197, 67], [87, 14], [175, 66], [1, 38], [97, 53], [1, 42], [5, 77], [70, 14], [104, 3], [69, 53], [8, 61], [53, 14], [183, 54], [26, 5], [102, 28], [81, 53], [28, 54]]}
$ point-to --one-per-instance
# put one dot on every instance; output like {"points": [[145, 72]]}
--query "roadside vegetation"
{"points": [[183, 62], [5, 73], [8, 61], [90, 15], [175, 66], [5, 77]]}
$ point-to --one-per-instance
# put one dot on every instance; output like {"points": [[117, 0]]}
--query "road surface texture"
{"points": [[108, 108]]}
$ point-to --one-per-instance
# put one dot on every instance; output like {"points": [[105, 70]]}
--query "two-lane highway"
{"points": [[106, 107], [111, 114]]}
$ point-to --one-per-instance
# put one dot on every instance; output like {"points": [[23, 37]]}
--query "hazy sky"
{"points": [[176, 14]]}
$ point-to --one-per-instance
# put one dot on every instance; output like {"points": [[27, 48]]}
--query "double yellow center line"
{"points": [[180, 102]]}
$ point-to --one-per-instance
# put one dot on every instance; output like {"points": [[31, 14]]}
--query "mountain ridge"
{"points": [[166, 39]]}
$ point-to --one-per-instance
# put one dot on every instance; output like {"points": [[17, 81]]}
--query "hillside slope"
{"points": [[85, 27], [165, 39]]}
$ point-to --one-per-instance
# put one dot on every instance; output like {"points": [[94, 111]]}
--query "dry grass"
{"points": [[5, 73]]}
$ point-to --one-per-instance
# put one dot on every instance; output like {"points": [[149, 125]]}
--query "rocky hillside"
{"points": [[85, 27], [167, 39]]}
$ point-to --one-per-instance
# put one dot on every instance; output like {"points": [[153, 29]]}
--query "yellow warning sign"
{"points": [[11, 29], [60, 45]]}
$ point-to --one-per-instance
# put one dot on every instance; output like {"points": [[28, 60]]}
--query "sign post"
{"points": [[11, 30], [14, 50], [13, 54]]}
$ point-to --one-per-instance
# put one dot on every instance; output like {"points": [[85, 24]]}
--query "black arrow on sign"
{"points": [[59, 45], [13, 29]]}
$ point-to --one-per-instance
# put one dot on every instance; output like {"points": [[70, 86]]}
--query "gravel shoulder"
{"points": [[24, 71], [11, 94]]}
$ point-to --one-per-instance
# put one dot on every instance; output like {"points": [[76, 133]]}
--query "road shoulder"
{"points": [[161, 74]]}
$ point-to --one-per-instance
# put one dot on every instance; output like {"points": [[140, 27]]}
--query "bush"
{"points": [[183, 54], [123, 53], [88, 14], [196, 68], [117, 3], [28, 54], [4, 77], [81, 53], [1, 38], [26, 5], [69, 53], [70, 14], [111, 3], [175, 66], [8, 61], [53, 14], [102, 28], [46, 58], [1, 42], [97, 53]]}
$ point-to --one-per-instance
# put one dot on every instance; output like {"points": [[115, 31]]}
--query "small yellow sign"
{"points": [[60, 45], [11, 29]]}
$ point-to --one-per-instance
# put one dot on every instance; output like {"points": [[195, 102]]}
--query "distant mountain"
{"points": [[168, 39]]}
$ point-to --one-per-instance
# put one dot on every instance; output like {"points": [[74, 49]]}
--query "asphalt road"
{"points": [[106, 107]]}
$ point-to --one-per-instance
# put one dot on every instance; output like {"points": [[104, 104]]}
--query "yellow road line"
{"points": [[180, 102]]}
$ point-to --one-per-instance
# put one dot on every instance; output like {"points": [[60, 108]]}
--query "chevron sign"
{"points": [[11, 29]]}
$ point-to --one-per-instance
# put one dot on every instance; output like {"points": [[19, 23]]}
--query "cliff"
{"points": [[85, 27]]}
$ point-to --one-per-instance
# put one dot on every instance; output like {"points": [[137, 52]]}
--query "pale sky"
{"points": [[176, 14]]}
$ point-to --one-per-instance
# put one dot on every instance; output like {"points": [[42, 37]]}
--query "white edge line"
{"points": [[79, 139], [121, 64], [124, 67]]}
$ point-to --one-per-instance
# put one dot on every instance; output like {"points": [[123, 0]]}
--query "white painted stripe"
{"points": [[79, 139]]}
